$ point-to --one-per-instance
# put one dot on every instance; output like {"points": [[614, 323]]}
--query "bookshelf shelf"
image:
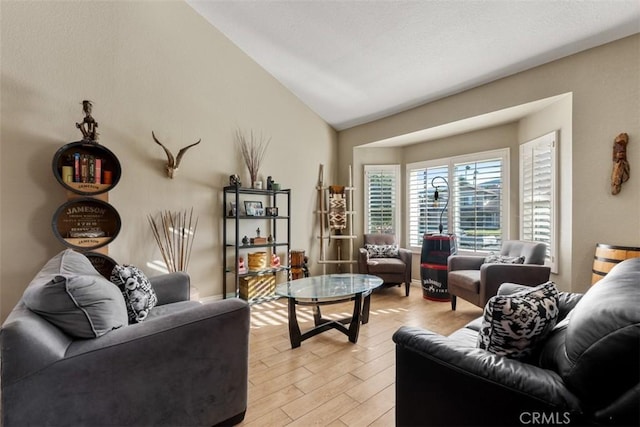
{"points": [[86, 222], [255, 285], [86, 168]]}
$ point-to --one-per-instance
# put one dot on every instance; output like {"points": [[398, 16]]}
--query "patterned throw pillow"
{"points": [[382, 251], [138, 293], [514, 324], [492, 258]]}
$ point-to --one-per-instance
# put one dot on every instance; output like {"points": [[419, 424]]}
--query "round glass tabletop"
{"points": [[328, 287]]}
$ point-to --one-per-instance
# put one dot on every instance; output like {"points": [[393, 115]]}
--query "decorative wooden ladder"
{"points": [[328, 216]]}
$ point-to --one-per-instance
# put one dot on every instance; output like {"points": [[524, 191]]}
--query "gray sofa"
{"points": [[185, 365]]}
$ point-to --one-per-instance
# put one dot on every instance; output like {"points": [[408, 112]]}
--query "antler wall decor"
{"points": [[621, 167], [173, 163]]}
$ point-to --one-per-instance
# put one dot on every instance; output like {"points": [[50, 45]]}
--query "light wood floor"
{"points": [[329, 381]]}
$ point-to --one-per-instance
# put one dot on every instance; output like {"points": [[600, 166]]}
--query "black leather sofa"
{"points": [[586, 372]]}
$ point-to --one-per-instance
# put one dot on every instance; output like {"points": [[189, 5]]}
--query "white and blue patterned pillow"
{"points": [[514, 324], [138, 293], [382, 251]]}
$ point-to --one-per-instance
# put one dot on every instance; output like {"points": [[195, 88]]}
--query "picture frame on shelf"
{"points": [[252, 208], [271, 211]]}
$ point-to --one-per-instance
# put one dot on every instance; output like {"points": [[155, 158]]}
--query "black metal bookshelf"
{"points": [[236, 220]]}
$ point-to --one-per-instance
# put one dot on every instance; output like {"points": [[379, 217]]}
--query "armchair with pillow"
{"points": [[75, 351], [381, 256], [477, 278], [537, 356]]}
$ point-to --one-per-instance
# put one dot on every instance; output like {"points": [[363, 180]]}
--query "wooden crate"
{"points": [[257, 286]]}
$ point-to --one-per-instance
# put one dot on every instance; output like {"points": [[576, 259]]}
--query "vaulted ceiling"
{"points": [[356, 61]]}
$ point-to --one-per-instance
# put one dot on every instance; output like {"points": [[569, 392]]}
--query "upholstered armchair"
{"points": [[381, 256], [472, 278]]}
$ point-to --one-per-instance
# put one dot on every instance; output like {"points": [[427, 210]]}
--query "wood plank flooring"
{"points": [[329, 381]]}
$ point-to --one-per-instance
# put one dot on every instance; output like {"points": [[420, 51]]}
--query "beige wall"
{"points": [[605, 101], [159, 66], [147, 66]]}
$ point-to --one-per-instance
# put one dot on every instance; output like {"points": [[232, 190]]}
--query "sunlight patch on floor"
{"points": [[388, 311], [275, 313]]}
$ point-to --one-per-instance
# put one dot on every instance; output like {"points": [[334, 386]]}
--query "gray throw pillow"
{"points": [[72, 295], [138, 293], [514, 324]]}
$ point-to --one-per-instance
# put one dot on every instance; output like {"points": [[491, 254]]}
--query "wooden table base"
{"points": [[360, 315]]}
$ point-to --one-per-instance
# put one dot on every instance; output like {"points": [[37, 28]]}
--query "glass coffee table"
{"points": [[329, 289]]}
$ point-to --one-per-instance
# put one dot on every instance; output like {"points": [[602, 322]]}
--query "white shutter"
{"points": [[476, 213], [479, 208], [417, 205], [381, 198], [424, 212], [538, 193]]}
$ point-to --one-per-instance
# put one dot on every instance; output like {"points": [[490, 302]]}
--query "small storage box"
{"points": [[257, 287]]}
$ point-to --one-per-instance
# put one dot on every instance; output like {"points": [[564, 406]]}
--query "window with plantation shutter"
{"points": [[424, 211], [538, 193], [381, 203], [478, 200], [476, 212]]}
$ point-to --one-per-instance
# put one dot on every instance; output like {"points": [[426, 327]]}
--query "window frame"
{"points": [[503, 154], [395, 169], [550, 138]]}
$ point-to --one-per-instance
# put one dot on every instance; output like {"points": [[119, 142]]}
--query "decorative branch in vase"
{"points": [[253, 149], [174, 233]]}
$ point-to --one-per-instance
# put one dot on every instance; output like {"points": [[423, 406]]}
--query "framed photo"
{"points": [[253, 208], [271, 211]]}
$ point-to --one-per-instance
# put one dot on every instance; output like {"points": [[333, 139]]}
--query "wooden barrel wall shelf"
{"points": [[86, 182], [86, 223]]}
